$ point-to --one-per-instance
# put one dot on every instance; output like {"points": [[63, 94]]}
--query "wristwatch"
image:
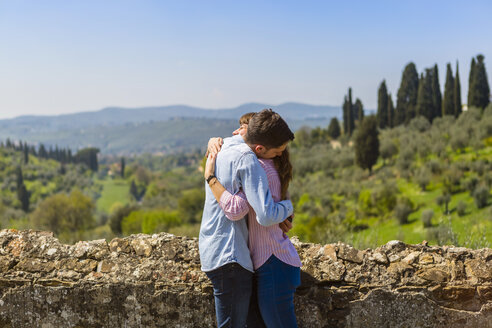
{"points": [[210, 177]]}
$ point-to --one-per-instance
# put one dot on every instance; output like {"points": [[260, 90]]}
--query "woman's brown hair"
{"points": [[284, 169], [245, 118], [282, 162]]}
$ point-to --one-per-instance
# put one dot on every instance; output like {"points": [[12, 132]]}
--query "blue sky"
{"points": [[68, 56]]}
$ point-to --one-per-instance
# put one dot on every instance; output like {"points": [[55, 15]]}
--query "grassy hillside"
{"points": [[422, 167], [431, 182]]}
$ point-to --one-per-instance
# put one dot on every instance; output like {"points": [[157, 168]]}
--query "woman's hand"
{"points": [[210, 165], [286, 225], [214, 145]]}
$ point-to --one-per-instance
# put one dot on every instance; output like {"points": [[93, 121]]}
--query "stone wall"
{"points": [[155, 281]]}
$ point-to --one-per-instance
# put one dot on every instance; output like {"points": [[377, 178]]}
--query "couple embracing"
{"points": [[253, 266]]}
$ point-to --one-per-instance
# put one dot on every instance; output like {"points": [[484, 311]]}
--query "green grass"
{"points": [[114, 191], [474, 229]]}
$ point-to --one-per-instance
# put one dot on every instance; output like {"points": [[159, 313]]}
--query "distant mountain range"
{"points": [[166, 129]]}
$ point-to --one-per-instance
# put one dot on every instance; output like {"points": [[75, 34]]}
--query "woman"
{"points": [[275, 259]]}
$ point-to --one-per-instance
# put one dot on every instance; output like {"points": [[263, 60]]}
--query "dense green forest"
{"points": [[420, 169]]}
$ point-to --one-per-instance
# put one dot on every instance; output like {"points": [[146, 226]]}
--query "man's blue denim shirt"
{"points": [[221, 240]]}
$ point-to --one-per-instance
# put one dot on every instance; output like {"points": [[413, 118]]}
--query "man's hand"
{"points": [[286, 225], [214, 145]]}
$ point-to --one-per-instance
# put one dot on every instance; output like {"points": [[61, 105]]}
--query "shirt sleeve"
{"points": [[234, 206], [254, 183]]}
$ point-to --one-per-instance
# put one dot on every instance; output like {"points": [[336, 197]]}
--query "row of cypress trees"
{"points": [[422, 95], [86, 156], [352, 112], [61, 155]]}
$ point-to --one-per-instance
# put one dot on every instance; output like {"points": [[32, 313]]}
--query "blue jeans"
{"points": [[277, 283], [232, 291]]}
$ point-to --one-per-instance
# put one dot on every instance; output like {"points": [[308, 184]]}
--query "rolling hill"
{"points": [[168, 129]]}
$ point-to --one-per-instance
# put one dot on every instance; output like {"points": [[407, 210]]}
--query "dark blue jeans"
{"points": [[277, 283], [232, 291]]}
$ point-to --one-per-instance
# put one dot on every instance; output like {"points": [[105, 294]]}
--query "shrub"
{"points": [[387, 148], [481, 196], [479, 167], [158, 221], [485, 129], [190, 205], [488, 179], [405, 159], [423, 147], [461, 208], [439, 147], [132, 223], [383, 197], [451, 179], [427, 217], [68, 216], [444, 200], [365, 204], [420, 124], [117, 215], [423, 177], [488, 110], [442, 234], [434, 166], [459, 139], [403, 209], [470, 184]]}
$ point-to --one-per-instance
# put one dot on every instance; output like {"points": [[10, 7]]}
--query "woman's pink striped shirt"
{"points": [[263, 241]]}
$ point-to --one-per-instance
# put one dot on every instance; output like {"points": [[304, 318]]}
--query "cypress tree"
{"points": [[88, 156], [480, 90], [26, 154], [20, 178], [22, 193], [436, 93], [134, 191], [367, 143], [122, 172], [32, 150], [62, 169], [42, 151], [358, 110], [425, 102], [457, 93], [345, 115], [391, 112], [471, 79], [348, 114], [448, 107], [334, 128], [382, 114], [406, 100], [350, 109]]}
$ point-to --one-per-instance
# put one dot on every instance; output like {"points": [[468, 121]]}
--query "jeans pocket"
{"points": [[217, 278]]}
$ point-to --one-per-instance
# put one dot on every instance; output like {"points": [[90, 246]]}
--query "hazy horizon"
{"points": [[65, 57]]}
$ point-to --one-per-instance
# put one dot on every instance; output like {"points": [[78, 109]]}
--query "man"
{"points": [[223, 244]]}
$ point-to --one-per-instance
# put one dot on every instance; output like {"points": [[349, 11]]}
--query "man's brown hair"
{"points": [[268, 129]]}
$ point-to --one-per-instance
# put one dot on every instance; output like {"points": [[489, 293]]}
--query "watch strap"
{"points": [[211, 177]]}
